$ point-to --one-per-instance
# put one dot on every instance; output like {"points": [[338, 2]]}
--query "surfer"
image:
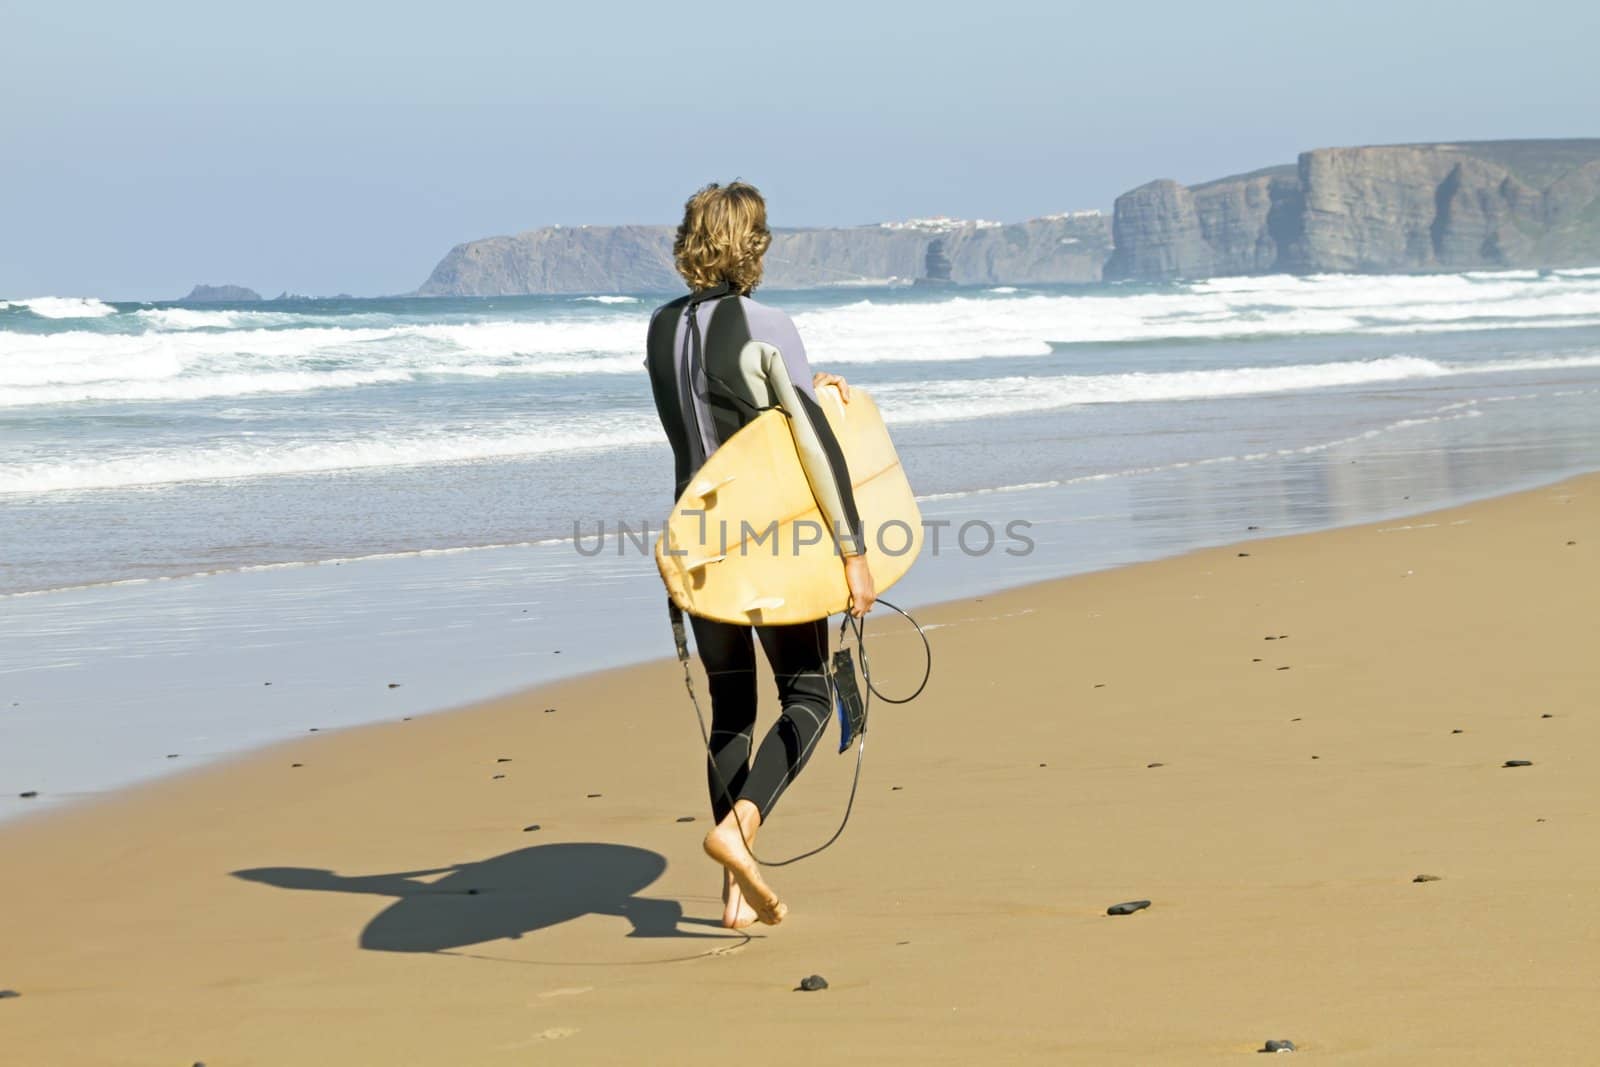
{"points": [[717, 359]]}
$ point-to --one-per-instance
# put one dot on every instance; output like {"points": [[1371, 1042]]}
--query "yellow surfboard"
{"points": [[747, 543]]}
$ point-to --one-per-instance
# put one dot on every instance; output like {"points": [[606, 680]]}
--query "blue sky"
{"points": [[345, 146]]}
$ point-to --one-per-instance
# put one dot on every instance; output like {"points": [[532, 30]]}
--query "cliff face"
{"points": [[557, 259], [590, 259], [1156, 233], [1392, 208]]}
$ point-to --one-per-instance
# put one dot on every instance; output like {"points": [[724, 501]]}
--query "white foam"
{"points": [[80, 365], [63, 307], [948, 400], [243, 457], [212, 319], [188, 353]]}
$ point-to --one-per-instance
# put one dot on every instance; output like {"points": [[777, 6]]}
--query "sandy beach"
{"points": [[1270, 742]]}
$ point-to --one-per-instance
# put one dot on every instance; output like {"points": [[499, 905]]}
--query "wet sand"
{"points": [[1269, 742]]}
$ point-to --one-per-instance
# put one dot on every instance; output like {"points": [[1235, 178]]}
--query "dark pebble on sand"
{"points": [[1547, 715], [896, 788], [1295, 719], [1243, 554], [7, 994], [1283, 668], [1255, 659], [813, 982], [1127, 907], [1269, 637], [1458, 731], [1099, 685], [1517, 763], [686, 818], [593, 795], [503, 759], [297, 764], [1316, 757], [498, 776], [28, 794], [1278, 1046], [1428, 878], [530, 829], [1572, 542], [1148, 766], [1044, 764], [549, 711]]}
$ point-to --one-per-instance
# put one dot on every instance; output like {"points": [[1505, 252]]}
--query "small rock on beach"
{"points": [[1278, 1046], [1127, 907], [811, 983]]}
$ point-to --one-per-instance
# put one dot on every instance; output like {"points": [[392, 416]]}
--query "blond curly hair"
{"points": [[722, 237]]}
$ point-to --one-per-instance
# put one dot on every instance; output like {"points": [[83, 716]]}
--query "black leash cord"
{"points": [[848, 622]]}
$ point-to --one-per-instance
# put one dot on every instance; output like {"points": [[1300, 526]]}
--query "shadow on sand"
{"points": [[505, 896]]}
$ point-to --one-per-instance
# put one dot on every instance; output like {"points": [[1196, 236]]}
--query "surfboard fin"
{"points": [[702, 564], [765, 603], [709, 488]]}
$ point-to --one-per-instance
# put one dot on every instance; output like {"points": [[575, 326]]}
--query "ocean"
{"points": [[385, 506]]}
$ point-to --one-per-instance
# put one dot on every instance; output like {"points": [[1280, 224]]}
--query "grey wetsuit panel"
{"points": [[752, 360]]}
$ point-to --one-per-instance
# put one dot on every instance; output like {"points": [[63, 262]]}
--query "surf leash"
{"points": [[850, 707]]}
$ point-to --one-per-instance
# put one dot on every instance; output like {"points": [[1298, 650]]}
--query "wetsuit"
{"points": [[717, 359]]}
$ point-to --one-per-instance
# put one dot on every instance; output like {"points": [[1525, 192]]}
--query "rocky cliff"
{"points": [[588, 259], [1390, 208]]}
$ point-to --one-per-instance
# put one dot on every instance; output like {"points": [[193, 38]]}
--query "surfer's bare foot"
{"points": [[736, 911], [725, 844]]}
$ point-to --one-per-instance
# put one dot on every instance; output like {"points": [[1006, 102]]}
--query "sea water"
{"points": [[383, 506]]}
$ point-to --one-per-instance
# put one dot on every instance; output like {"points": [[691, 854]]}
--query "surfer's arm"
{"points": [[818, 448]]}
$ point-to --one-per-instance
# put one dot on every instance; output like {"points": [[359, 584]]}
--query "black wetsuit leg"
{"points": [[798, 656]]}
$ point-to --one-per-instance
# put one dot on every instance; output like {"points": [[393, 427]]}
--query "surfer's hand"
{"points": [[821, 378], [863, 592]]}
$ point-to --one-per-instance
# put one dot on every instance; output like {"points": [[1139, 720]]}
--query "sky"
{"points": [[345, 146]]}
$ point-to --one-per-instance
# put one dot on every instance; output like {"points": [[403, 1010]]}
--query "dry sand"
{"points": [[961, 919]]}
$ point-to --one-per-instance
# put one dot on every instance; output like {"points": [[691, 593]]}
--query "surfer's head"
{"points": [[722, 237]]}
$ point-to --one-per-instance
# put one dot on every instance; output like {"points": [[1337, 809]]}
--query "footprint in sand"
{"points": [[567, 991]]}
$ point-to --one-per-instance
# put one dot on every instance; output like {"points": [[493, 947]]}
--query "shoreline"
{"points": [[1122, 734], [47, 803]]}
